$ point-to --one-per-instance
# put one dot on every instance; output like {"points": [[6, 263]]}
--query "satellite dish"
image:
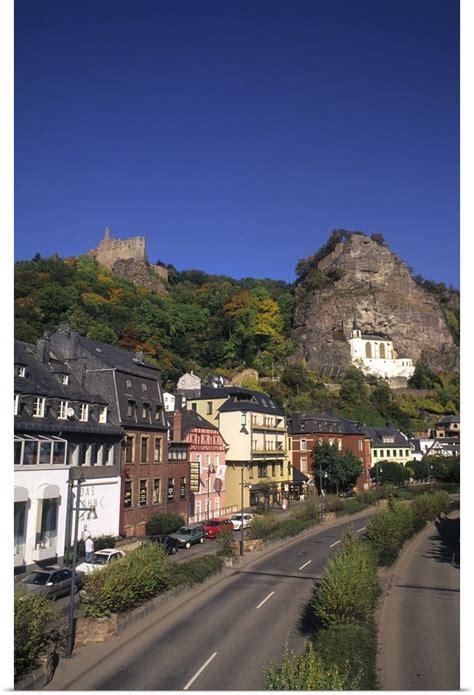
{"points": [[70, 412]]}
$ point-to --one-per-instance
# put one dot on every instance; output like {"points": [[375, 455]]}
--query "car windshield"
{"points": [[98, 559], [237, 517], [212, 522], [36, 578], [184, 530]]}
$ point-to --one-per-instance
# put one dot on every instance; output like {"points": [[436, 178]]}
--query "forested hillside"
{"points": [[214, 324]]}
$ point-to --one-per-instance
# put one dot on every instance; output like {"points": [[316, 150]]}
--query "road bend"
{"points": [[419, 633], [224, 637]]}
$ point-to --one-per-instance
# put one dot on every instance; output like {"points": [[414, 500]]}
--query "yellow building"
{"points": [[254, 430]]}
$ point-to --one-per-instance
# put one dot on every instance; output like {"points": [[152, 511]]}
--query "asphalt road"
{"points": [[225, 636], [419, 631]]}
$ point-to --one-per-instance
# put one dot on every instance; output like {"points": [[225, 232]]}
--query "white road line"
{"points": [[361, 529], [265, 599], [198, 673], [303, 566], [332, 546]]}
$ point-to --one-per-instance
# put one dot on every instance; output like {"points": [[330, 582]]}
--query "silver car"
{"points": [[51, 581]]}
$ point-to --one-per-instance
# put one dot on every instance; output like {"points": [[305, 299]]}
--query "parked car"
{"points": [[346, 493], [241, 519], [51, 581], [213, 526], [101, 559], [189, 535], [169, 544]]}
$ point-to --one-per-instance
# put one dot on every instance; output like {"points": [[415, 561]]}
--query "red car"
{"points": [[213, 526]]}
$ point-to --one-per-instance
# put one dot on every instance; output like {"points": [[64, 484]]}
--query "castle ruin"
{"points": [[111, 251]]}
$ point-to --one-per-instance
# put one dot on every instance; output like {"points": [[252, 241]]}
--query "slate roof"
{"points": [[376, 435], [310, 423], [241, 399], [119, 358], [449, 420]]}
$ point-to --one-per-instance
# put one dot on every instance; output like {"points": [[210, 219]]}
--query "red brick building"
{"points": [[306, 430]]}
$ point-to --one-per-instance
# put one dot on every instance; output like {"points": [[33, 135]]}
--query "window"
{"points": [[46, 536], [303, 445], [170, 488], [146, 411], [304, 464], [157, 450], [158, 412], [250, 471], [143, 494], [103, 414], [17, 404], [193, 406], [127, 499], [107, 454], [62, 411], [281, 469], [84, 416], [21, 371], [30, 454], [209, 407], [45, 453], [182, 488], [130, 408], [216, 506], [381, 452], [339, 444], [156, 498], [94, 454], [129, 449], [360, 444], [273, 470], [19, 527], [144, 450], [262, 470], [243, 419], [144, 387], [400, 453], [17, 452], [82, 454], [128, 384], [38, 407], [407, 452], [65, 379]]}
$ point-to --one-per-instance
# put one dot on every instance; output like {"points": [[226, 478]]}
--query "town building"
{"points": [[132, 387], [254, 429], [447, 427], [207, 450], [306, 430], [375, 354], [389, 444], [62, 433]]}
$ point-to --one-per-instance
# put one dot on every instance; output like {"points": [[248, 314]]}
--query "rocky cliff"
{"points": [[355, 276]]}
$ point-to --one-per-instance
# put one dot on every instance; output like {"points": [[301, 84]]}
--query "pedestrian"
{"points": [[89, 548]]}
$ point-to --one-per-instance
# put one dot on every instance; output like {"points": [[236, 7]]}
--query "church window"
{"points": [[368, 350], [382, 351]]}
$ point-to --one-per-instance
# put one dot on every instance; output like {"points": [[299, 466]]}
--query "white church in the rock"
{"points": [[375, 354]]}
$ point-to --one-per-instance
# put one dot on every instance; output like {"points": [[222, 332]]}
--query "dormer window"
{"points": [[145, 410], [38, 406], [103, 414], [129, 384], [21, 371], [62, 411], [17, 403], [65, 379], [84, 416], [144, 387]]}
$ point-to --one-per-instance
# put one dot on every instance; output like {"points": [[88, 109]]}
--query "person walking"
{"points": [[89, 544]]}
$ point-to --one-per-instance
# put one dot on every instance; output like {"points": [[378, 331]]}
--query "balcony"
{"points": [[261, 424]]}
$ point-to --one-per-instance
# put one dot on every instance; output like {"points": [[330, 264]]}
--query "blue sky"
{"points": [[235, 136]]}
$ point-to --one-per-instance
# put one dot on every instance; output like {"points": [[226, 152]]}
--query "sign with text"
{"points": [[194, 481]]}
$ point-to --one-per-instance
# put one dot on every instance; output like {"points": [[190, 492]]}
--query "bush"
{"points": [[352, 506], [33, 614], [389, 528], [196, 570], [163, 524], [310, 509], [350, 647], [130, 582], [307, 671], [262, 526], [428, 506], [349, 588], [226, 544], [367, 497], [333, 503]]}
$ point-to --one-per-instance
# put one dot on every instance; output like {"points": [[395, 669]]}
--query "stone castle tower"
{"points": [[112, 251]]}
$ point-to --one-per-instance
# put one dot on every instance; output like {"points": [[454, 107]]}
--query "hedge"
{"points": [[196, 570], [33, 614], [163, 524]]}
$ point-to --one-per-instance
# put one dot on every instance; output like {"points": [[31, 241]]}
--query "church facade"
{"points": [[375, 354]]}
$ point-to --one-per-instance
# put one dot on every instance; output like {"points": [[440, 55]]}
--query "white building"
{"points": [[375, 354]]}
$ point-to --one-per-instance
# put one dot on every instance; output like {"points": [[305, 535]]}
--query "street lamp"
{"points": [[210, 469], [377, 479], [321, 500], [91, 514], [242, 485]]}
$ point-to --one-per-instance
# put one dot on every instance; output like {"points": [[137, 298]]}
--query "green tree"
{"points": [[392, 472], [340, 467]]}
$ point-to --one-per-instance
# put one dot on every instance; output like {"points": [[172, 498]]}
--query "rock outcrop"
{"points": [[358, 277]]}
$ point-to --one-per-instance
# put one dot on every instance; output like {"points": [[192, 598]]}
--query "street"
{"points": [[419, 630], [223, 637]]}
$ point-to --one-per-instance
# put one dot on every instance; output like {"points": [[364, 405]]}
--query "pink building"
{"points": [[207, 447]]}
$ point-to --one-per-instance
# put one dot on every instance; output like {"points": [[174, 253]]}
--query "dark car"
{"points": [[52, 582], [169, 544], [213, 526], [188, 535], [347, 493]]}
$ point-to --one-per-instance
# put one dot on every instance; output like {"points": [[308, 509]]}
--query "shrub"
{"points": [[163, 523], [309, 510], [333, 503], [226, 544], [307, 671], [428, 506], [352, 506], [367, 496], [389, 529], [33, 614], [123, 585], [262, 526], [350, 647], [196, 570], [349, 588]]}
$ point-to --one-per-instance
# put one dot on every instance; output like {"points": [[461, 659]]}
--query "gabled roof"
{"points": [[377, 435], [118, 358], [241, 399], [191, 420], [311, 423]]}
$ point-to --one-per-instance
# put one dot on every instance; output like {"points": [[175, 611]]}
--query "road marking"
{"points": [[198, 673], [361, 529], [303, 566], [265, 599], [332, 546]]}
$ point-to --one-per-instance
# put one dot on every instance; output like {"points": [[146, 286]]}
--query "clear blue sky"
{"points": [[235, 136]]}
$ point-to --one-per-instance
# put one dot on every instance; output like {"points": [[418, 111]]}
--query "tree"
{"points": [[340, 467], [392, 472]]}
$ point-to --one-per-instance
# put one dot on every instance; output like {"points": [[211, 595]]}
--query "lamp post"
{"points": [[91, 514], [321, 499], [210, 469], [242, 485]]}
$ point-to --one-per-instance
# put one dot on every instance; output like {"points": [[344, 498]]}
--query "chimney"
{"points": [[139, 356], [42, 349], [177, 426]]}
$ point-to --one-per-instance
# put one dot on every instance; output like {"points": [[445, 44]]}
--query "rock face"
{"points": [[358, 277]]}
